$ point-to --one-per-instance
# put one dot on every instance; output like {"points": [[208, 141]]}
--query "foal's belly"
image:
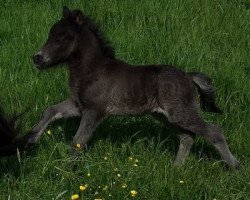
{"points": [[127, 109]]}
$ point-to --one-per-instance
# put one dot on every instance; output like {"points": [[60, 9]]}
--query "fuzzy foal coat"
{"points": [[101, 85]]}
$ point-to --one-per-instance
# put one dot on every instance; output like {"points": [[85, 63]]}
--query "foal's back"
{"points": [[119, 88]]}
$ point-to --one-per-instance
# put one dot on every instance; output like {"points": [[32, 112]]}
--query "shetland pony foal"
{"points": [[101, 85]]}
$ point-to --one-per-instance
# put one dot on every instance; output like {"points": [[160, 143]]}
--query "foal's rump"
{"points": [[177, 91]]}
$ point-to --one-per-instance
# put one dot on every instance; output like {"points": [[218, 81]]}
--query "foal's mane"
{"points": [[104, 43]]}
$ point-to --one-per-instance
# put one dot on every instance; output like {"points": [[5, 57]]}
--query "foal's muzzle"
{"points": [[38, 59]]}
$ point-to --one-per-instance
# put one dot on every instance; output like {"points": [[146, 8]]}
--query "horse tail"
{"points": [[9, 132], [206, 92]]}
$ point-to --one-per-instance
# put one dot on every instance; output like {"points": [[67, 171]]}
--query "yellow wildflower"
{"points": [[83, 187], [105, 188], [181, 182], [78, 145], [105, 158], [133, 193], [130, 158], [75, 197], [135, 165], [119, 175], [124, 185], [88, 174], [49, 132]]}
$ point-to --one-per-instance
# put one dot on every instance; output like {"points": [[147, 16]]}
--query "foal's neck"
{"points": [[88, 51]]}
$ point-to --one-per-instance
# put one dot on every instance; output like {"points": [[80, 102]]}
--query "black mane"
{"points": [[104, 43]]}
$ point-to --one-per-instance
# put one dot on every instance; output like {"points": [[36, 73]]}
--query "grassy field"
{"points": [[129, 153]]}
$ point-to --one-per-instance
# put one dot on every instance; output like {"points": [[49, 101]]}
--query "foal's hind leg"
{"points": [[64, 109], [213, 134], [186, 142]]}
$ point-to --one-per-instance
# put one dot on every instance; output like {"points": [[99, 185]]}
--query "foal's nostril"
{"points": [[37, 59]]}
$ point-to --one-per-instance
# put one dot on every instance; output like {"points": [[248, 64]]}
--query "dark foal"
{"points": [[101, 85], [10, 140]]}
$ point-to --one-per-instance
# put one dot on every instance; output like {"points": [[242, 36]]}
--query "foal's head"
{"points": [[65, 36], [62, 39]]}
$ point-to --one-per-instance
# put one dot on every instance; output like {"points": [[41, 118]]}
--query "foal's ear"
{"points": [[66, 12], [79, 18]]}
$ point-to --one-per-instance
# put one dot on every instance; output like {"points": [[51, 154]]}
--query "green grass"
{"points": [[208, 36]]}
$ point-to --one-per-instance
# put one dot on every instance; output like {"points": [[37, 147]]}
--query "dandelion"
{"points": [[74, 197], [105, 188], [135, 165], [88, 175], [49, 132], [83, 187], [181, 182], [78, 145], [124, 185], [119, 175], [105, 158], [133, 193]]}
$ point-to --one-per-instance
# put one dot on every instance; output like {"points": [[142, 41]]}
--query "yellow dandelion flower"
{"points": [[83, 187], [88, 175], [124, 185], [78, 145], [133, 193], [49, 132], [181, 182], [105, 158], [74, 197], [105, 188], [135, 165], [119, 175]]}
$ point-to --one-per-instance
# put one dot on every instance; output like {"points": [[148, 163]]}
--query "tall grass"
{"points": [[208, 36]]}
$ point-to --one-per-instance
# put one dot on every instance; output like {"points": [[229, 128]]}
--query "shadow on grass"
{"points": [[118, 130]]}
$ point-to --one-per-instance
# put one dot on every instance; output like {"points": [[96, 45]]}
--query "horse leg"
{"points": [[62, 110], [186, 142], [90, 120], [214, 135]]}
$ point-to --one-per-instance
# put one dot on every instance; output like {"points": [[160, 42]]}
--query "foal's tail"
{"points": [[9, 132], [206, 92]]}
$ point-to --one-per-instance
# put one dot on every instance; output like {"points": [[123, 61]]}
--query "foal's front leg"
{"points": [[65, 109], [90, 120]]}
